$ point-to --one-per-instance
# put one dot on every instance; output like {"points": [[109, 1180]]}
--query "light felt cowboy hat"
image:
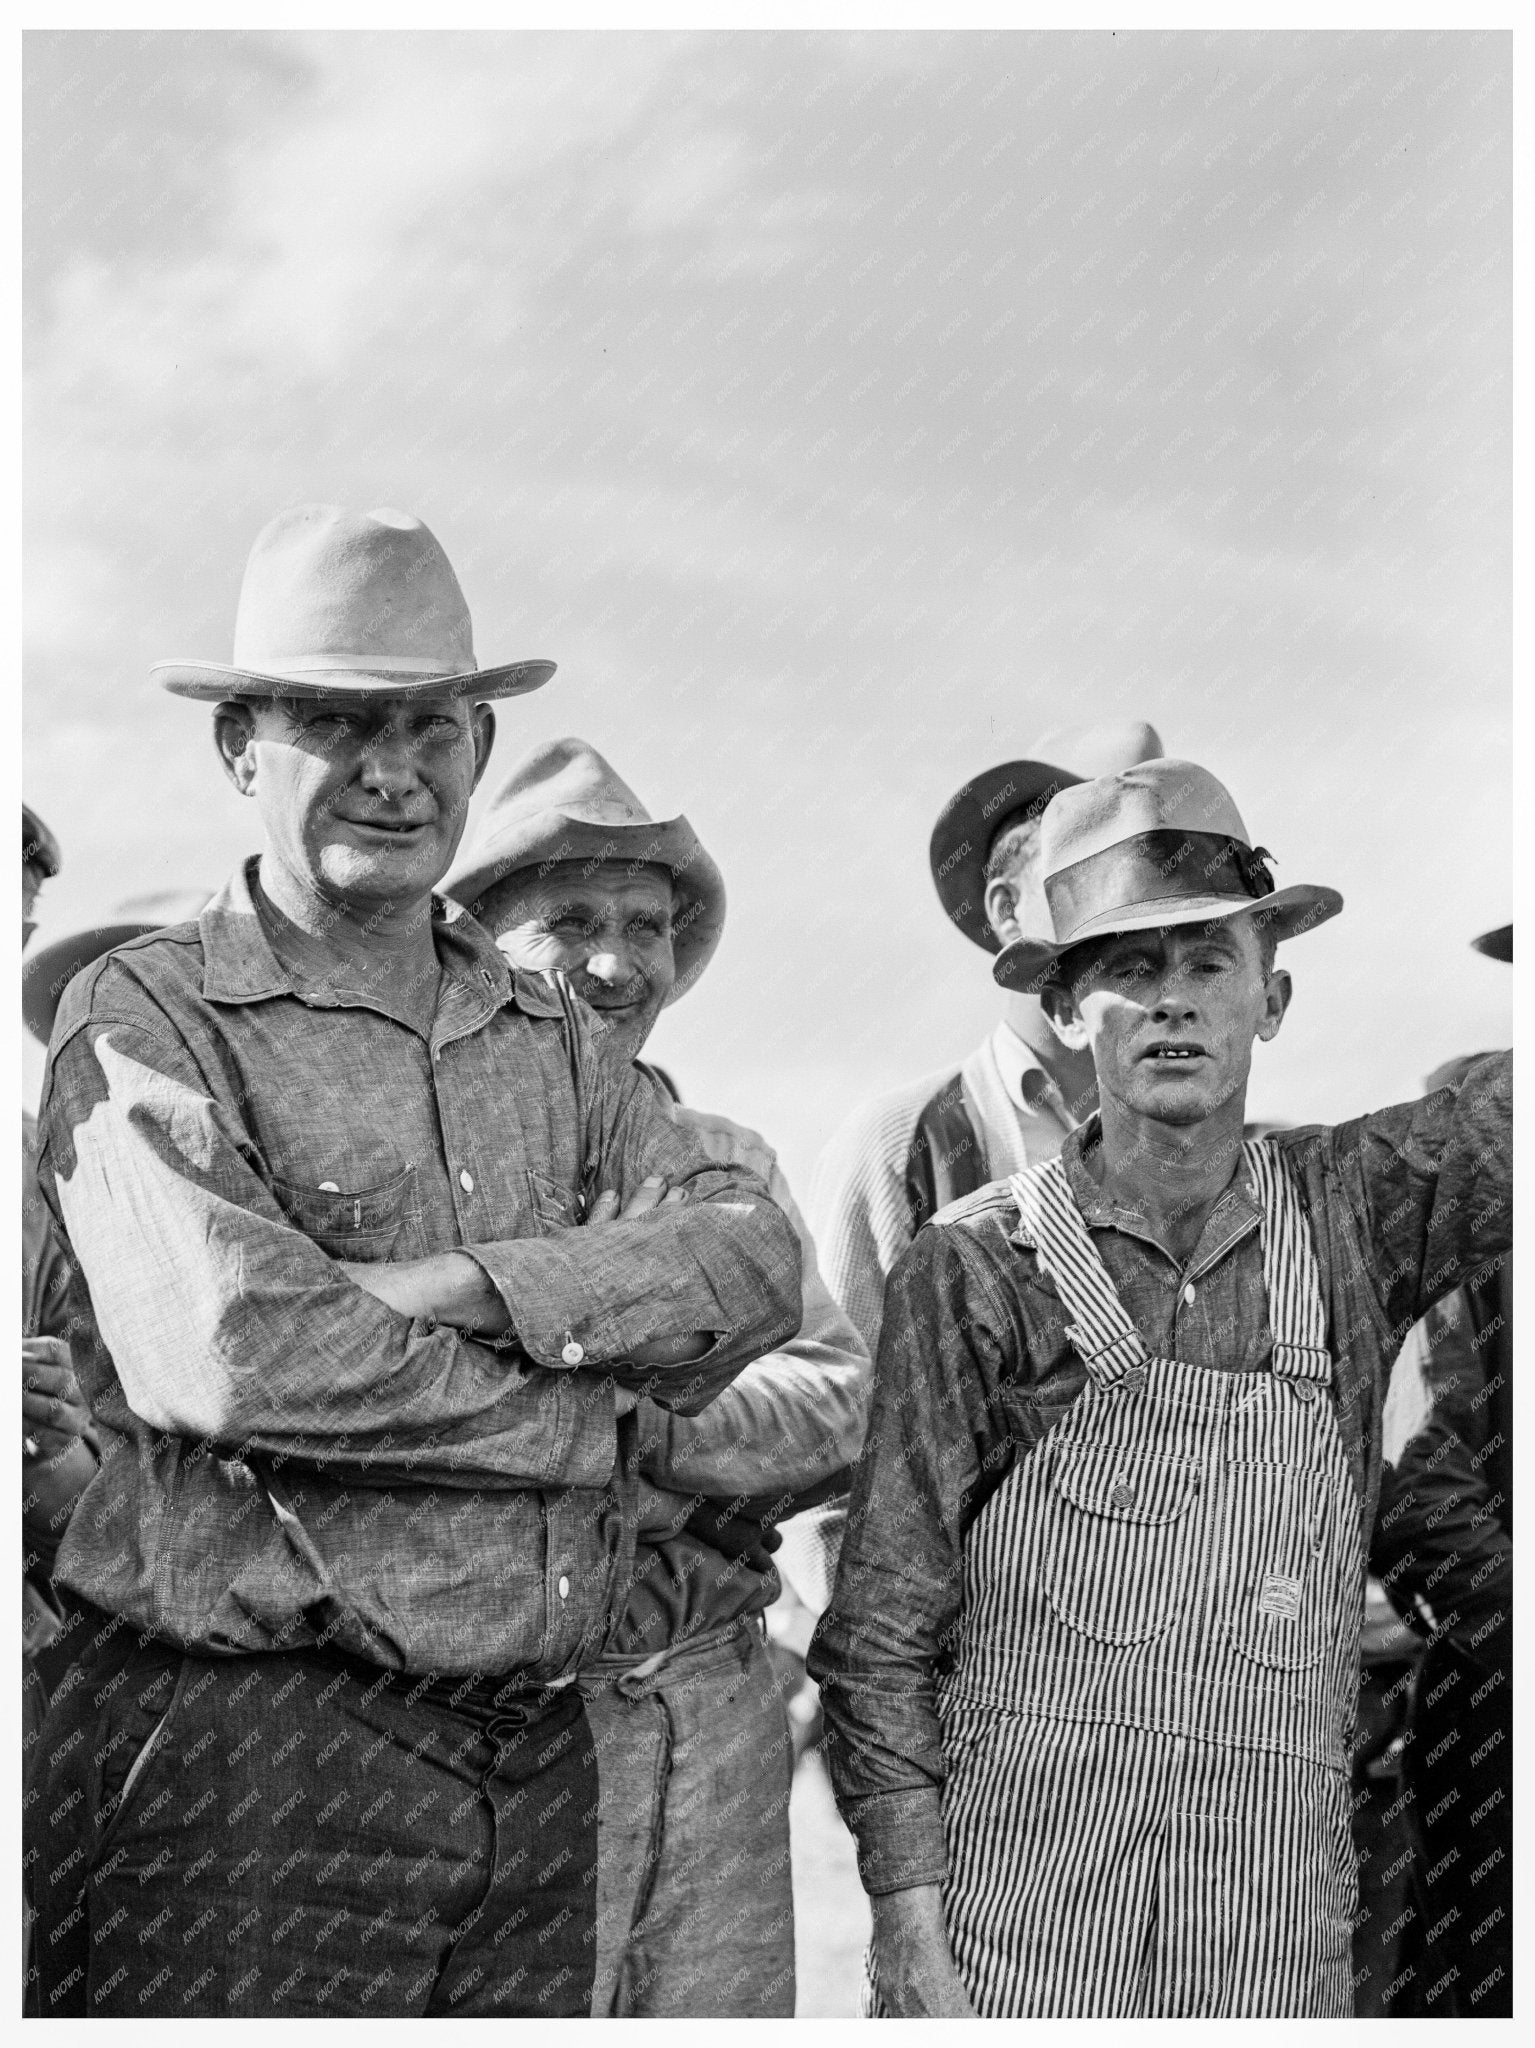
{"points": [[49, 971], [564, 802], [337, 601], [976, 816], [1157, 845]]}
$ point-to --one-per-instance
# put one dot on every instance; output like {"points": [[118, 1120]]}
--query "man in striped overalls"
{"points": [[1090, 1667]]}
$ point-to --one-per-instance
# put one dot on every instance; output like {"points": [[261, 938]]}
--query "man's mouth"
{"points": [[391, 828], [1169, 1052]]}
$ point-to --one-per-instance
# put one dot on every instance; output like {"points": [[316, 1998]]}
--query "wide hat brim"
{"points": [[963, 837], [211, 682], [1028, 965], [545, 838], [46, 973]]}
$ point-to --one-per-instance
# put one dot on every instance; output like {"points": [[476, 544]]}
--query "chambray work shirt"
{"points": [[974, 1368], [288, 1460]]}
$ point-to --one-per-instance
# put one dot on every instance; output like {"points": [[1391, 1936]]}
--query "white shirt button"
{"points": [[564, 1587], [1188, 1292], [572, 1352], [466, 1181]]}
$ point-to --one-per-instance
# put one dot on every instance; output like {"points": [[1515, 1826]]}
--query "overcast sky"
{"points": [[841, 413]]}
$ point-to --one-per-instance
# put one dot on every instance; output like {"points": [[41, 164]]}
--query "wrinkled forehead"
{"points": [[374, 709], [598, 889]]}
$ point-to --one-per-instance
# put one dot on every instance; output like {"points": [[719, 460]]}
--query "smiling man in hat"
{"points": [[1090, 1667], [695, 1912], [329, 1755]]}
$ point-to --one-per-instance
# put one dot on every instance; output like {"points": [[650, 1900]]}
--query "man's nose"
{"points": [[389, 764], [609, 963], [1174, 997]]}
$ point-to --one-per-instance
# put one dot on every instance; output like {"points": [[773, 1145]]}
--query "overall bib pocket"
{"points": [[1279, 1606], [1116, 1545]]}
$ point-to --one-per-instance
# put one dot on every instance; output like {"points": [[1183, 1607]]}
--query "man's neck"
{"points": [[385, 953], [1072, 1072], [1170, 1174]]}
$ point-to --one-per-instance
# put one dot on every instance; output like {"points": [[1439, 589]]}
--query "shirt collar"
{"points": [[1028, 1086], [1236, 1212], [239, 965]]}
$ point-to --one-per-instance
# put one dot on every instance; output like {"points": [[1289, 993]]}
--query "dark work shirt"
{"points": [[974, 1367]]}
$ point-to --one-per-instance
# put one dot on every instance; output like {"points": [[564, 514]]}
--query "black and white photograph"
{"points": [[766, 993]]}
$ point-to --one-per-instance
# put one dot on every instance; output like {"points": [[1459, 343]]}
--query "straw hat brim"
{"points": [[548, 837], [210, 682], [46, 973], [1028, 965]]}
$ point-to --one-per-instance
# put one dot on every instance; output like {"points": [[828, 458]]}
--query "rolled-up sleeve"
{"points": [[793, 1419], [898, 1590], [224, 1322], [724, 1263]]}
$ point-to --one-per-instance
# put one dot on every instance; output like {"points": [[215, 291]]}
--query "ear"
{"points": [[1060, 1007], [234, 728], [1001, 906], [1276, 1000], [483, 720]]}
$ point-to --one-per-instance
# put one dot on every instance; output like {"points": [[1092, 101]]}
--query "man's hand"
{"points": [[54, 1412], [57, 1465], [917, 1977]]}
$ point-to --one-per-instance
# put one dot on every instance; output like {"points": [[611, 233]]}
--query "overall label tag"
{"points": [[1279, 1596]]}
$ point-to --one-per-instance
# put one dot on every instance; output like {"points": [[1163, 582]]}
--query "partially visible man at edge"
{"points": [[695, 1910], [1091, 1663], [350, 1561], [58, 1459]]}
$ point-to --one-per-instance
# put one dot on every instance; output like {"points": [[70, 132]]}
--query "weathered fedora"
{"points": [[49, 971], [564, 802], [349, 601], [1155, 845], [974, 817], [1498, 944], [39, 848]]}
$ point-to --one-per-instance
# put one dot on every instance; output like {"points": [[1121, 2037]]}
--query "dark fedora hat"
{"points": [[39, 848], [347, 603], [1158, 845], [973, 819], [49, 971]]}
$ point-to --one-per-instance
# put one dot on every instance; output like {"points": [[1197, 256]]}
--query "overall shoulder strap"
{"points": [[1291, 1276], [1101, 1332]]}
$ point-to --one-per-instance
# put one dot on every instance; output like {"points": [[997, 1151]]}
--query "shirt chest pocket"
{"points": [[1117, 1542], [350, 1223], [553, 1205]]}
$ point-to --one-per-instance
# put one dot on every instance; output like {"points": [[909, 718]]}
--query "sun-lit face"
{"points": [[1171, 1016], [607, 923], [363, 798]]}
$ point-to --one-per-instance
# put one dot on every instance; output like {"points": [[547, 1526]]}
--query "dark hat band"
{"points": [[1149, 868]]}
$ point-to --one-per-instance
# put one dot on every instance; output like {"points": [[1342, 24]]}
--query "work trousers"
{"points": [[288, 1835], [695, 1907]]}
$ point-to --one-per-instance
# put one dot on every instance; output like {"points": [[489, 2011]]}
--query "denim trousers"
{"points": [[695, 1906], [295, 1835]]}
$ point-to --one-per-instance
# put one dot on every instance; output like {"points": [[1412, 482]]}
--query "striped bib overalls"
{"points": [[1146, 1721]]}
